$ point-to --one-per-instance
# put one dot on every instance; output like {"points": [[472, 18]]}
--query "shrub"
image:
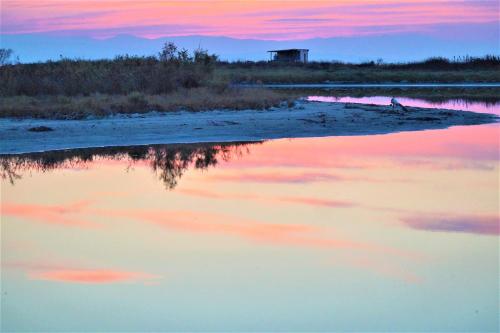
{"points": [[173, 69], [137, 100]]}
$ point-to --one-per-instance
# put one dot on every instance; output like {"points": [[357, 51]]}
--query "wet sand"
{"points": [[305, 119]]}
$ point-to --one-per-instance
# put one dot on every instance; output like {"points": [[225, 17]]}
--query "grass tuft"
{"points": [[101, 105]]}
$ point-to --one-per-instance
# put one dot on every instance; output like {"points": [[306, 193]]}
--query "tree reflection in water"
{"points": [[169, 162]]}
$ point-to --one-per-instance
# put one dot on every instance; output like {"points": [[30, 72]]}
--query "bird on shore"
{"points": [[395, 103]]}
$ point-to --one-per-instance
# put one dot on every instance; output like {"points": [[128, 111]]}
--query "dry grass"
{"points": [[121, 75], [76, 89], [352, 75], [437, 70], [101, 105]]}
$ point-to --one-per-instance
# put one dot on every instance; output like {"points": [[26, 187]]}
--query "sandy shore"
{"points": [[306, 119]]}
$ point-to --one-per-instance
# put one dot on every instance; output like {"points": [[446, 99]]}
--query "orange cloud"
{"points": [[68, 272], [91, 276]]}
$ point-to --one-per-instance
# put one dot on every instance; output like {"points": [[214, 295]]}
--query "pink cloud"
{"points": [[309, 201], [50, 214], [301, 235], [315, 202], [276, 177], [289, 177], [278, 234], [204, 222], [215, 195], [381, 267], [242, 19]]}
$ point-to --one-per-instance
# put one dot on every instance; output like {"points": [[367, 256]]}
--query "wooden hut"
{"points": [[289, 55]]}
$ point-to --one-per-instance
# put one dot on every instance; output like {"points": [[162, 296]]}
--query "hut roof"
{"points": [[288, 50]]}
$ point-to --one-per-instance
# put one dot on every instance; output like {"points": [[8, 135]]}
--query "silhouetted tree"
{"points": [[5, 55], [168, 52]]}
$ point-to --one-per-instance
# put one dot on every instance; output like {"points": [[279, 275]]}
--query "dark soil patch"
{"points": [[424, 118], [40, 129]]}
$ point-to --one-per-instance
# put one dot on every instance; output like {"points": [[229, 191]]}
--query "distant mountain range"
{"points": [[390, 48]]}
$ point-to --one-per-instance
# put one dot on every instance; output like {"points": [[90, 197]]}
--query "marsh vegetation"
{"points": [[100, 105], [177, 80], [173, 80], [434, 70]]}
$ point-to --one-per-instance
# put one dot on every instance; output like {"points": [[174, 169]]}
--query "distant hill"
{"points": [[390, 48]]}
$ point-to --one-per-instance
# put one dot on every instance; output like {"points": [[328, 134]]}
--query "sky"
{"points": [[249, 19], [341, 30]]}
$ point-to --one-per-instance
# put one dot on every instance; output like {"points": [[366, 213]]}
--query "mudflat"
{"points": [[305, 119]]}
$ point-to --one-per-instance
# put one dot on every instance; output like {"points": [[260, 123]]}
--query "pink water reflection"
{"points": [[463, 147], [296, 225], [386, 100]]}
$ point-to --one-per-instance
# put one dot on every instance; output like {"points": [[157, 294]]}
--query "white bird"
{"points": [[395, 103]]}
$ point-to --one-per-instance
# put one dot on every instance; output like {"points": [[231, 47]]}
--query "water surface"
{"points": [[393, 232], [450, 104], [378, 85]]}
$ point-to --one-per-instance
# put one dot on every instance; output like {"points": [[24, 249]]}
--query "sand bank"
{"points": [[305, 119]]}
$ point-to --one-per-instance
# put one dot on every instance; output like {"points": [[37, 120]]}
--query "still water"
{"points": [[393, 232], [452, 104]]}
